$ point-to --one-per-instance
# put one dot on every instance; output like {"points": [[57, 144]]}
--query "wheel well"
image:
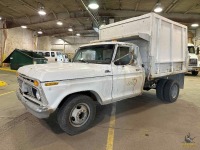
{"points": [[91, 94]]}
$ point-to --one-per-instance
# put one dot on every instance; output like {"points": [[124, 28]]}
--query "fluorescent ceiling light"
{"points": [[70, 29], [59, 23], [41, 11], [0, 18], [78, 34], [93, 6], [24, 27], [195, 25], [39, 32], [158, 8]]}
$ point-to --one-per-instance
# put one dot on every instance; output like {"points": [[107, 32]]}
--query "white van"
{"points": [[54, 56]]}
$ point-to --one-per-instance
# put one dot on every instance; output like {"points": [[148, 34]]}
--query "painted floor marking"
{"points": [[111, 131], [7, 93], [2, 83], [7, 69]]}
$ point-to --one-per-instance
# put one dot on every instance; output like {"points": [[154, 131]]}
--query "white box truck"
{"points": [[149, 52]]}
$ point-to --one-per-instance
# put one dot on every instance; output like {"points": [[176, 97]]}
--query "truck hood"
{"points": [[63, 71]]}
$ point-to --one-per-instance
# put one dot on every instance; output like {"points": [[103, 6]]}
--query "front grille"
{"points": [[26, 87], [20, 82], [193, 62]]}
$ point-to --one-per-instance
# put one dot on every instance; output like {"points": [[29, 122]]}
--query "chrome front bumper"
{"points": [[36, 110]]}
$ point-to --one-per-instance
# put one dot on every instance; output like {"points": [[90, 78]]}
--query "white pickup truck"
{"points": [[153, 56]]}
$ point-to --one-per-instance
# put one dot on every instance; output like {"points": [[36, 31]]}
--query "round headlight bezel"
{"points": [[37, 95]]}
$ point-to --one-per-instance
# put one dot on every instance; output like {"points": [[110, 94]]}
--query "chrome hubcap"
{"points": [[79, 115], [174, 91]]}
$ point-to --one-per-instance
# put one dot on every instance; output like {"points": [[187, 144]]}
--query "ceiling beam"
{"points": [[104, 4], [137, 5], [65, 7], [67, 33], [171, 6], [192, 8], [36, 20], [14, 10], [54, 14], [120, 4], [27, 5]]}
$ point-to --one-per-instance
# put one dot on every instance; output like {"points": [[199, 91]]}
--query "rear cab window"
{"points": [[52, 54]]}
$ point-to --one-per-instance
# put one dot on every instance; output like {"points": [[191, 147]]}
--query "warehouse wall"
{"points": [[197, 37], [44, 43], [70, 44], [16, 38], [67, 44], [1, 42]]}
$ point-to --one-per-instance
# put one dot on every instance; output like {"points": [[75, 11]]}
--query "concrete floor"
{"points": [[141, 123]]}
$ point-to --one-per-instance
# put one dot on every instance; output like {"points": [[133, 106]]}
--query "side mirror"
{"points": [[198, 51], [132, 53], [117, 62]]}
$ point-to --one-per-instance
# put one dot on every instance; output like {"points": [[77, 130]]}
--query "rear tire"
{"points": [[194, 73], [171, 91], [160, 88], [76, 114]]}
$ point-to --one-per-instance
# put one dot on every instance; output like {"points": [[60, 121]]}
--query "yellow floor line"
{"points": [[7, 93], [2, 83], [111, 131], [7, 69]]}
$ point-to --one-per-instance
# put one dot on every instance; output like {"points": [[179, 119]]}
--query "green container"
{"points": [[19, 58]]}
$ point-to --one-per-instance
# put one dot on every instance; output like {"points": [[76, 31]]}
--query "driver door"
{"points": [[127, 79]]}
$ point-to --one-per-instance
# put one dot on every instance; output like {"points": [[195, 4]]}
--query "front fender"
{"points": [[98, 86]]}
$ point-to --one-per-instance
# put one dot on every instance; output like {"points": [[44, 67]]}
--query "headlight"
{"points": [[37, 95]]}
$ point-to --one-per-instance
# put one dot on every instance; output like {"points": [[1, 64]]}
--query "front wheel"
{"points": [[194, 73], [171, 91], [76, 114]]}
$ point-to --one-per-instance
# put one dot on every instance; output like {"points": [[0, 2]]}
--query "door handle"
{"points": [[107, 71]]}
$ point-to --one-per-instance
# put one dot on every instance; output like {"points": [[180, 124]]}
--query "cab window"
{"points": [[47, 54], [41, 53], [122, 55], [52, 54]]}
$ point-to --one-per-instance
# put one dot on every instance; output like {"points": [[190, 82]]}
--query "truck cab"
{"points": [[193, 60]]}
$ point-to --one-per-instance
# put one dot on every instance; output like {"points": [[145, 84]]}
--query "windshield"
{"points": [[99, 54], [191, 49]]}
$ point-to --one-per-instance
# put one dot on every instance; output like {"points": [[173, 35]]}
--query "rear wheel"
{"points": [[77, 114], [171, 91], [159, 89], [194, 73]]}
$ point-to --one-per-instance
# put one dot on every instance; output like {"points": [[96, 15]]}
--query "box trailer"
{"points": [[162, 42]]}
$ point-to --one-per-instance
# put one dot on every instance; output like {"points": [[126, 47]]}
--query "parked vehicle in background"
{"points": [[193, 59], [153, 55], [54, 56]]}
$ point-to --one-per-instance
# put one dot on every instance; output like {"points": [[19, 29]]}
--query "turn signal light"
{"points": [[36, 83], [51, 83]]}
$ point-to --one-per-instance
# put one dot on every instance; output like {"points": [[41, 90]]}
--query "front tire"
{"points": [[171, 91], [76, 114], [195, 73]]}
